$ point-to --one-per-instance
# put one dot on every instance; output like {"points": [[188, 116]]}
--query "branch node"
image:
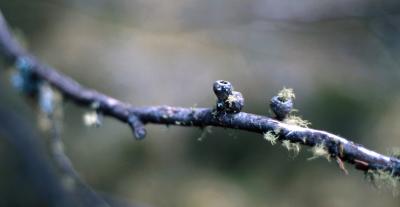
{"points": [[137, 127]]}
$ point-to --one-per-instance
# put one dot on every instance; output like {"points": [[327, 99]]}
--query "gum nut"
{"points": [[222, 89], [281, 108]]}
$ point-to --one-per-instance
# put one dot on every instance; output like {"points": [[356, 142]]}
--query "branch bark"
{"points": [[136, 117]]}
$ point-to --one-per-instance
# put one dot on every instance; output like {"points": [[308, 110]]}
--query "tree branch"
{"points": [[136, 117]]}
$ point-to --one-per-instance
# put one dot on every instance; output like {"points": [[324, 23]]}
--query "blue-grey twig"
{"points": [[335, 146]]}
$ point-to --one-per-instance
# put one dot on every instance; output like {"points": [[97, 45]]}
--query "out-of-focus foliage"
{"points": [[341, 57]]}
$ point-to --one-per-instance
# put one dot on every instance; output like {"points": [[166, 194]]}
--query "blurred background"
{"points": [[341, 57]]}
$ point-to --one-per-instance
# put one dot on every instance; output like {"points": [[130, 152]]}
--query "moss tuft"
{"points": [[384, 179], [205, 131], [395, 152], [271, 137], [296, 120], [319, 150], [92, 119], [286, 94], [291, 147]]}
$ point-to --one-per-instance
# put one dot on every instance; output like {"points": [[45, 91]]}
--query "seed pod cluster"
{"points": [[229, 101]]}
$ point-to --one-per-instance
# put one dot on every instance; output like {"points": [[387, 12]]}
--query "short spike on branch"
{"points": [[137, 127]]}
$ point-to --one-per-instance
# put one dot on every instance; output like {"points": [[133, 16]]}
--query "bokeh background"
{"points": [[341, 57]]}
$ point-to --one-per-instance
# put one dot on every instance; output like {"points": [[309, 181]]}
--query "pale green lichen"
{"points": [[291, 147], [92, 118], [296, 120], [395, 152], [271, 137], [384, 179], [286, 94], [231, 99], [207, 130], [319, 150]]}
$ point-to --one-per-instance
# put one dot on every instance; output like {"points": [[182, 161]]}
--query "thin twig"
{"points": [[336, 146]]}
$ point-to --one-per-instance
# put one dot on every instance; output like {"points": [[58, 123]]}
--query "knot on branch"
{"points": [[282, 104], [137, 127], [229, 101], [24, 79]]}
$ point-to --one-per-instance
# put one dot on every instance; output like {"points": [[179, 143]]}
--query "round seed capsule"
{"points": [[222, 89], [281, 108]]}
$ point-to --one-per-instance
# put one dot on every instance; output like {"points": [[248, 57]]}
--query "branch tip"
{"points": [[137, 126]]}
